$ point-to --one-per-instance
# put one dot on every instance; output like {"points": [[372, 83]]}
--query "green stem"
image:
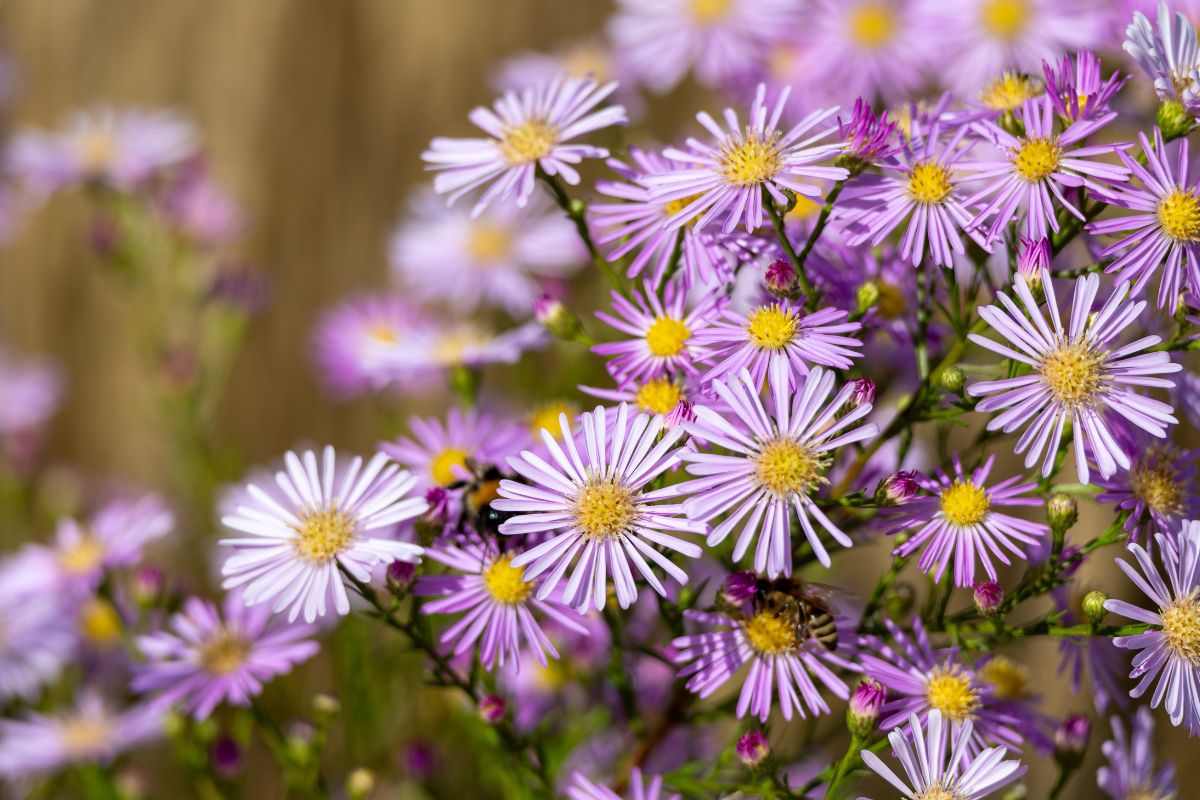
{"points": [[812, 297], [576, 211], [848, 760]]}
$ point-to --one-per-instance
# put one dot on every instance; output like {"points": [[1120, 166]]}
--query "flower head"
{"points": [[447, 453], [32, 391], [1130, 773], [1159, 491], [581, 788], [354, 344], [1076, 89], [1170, 56], [869, 137]]}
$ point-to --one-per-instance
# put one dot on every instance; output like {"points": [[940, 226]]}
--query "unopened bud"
{"points": [[225, 756], [864, 392], [147, 586], [740, 587], [988, 597], [952, 379], [1093, 606], [326, 705], [865, 703], [780, 279], [360, 783], [1034, 257], [681, 413], [1173, 119], [1071, 738], [867, 296], [1062, 511], [753, 748], [400, 576], [900, 487], [492, 708], [555, 317]]}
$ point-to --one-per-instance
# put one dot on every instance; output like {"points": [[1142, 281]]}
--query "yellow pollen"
{"points": [[545, 417], [929, 182], [528, 142], [667, 337], [964, 504], [82, 736], [96, 149], [706, 12], [805, 207], [785, 466], [891, 303], [772, 327], [1179, 216], [1156, 482], [658, 396], [604, 509], [938, 792], [673, 207], [505, 583], [324, 534], [1036, 158], [1072, 373], [225, 653], [1005, 19], [750, 162], [872, 25], [489, 243], [950, 692], [1181, 627], [443, 465], [383, 334], [83, 556], [1009, 680], [1009, 91], [99, 622], [769, 633]]}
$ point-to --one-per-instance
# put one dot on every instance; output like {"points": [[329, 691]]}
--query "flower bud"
{"points": [[360, 783], [900, 487], [1071, 738], [864, 392], [400, 576], [740, 587], [1093, 606], [952, 379], [326, 705], [555, 317], [1034, 257], [753, 748], [865, 702], [147, 586], [225, 756], [681, 413], [866, 297], [988, 597], [1062, 511], [780, 279], [1173, 119], [492, 708]]}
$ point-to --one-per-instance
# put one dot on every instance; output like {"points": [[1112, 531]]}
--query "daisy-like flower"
{"points": [[781, 656], [1077, 89], [581, 788], [355, 342], [118, 148], [32, 391], [775, 463], [919, 184], [38, 637], [597, 508], [942, 766], [658, 396], [209, 657], [779, 333], [1078, 374], [92, 732], [1005, 94], [666, 334], [725, 181], [1159, 491], [1035, 170], [443, 453], [497, 604], [1170, 55], [1168, 656], [497, 258], [1164, 231], [1130, 773], [921, 680], [317, 519], [461, 344], [958, 520], [527, 130]]}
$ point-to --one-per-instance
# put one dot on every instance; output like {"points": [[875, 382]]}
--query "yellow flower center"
{"points": [[938, 792], [83, 556], [552, 677], [950, 692], [1009, 680], [706, 12], [872, 25], [1181, 627], [658, 396], [891, 303], [505, 583], [785, 466], [667, 337], [929, 182], [772, 327], [1010, 91], [769, 633], [804, 208], [964, 504], [489, 243], [96, 149], [224, 653], [99, 622], [1073, 374], [82, 736], [383, 333], [1140, 793], [1005, 19], [324, 534], [528, 142], [1036, 158], [449, 349], [1179, 216], [443, 465], [673, 207], [750, 162], [604, 509], [1155, 481], [545, 417]]}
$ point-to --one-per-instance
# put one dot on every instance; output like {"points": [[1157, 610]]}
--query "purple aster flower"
{"points": [[32, 391], [498, 606], [581, 788], [1165, 231], [667, 335], [725, 181], [773, 463], [1077, 89], [318, 518], [1130, 773], [921, 183], [782, 656], [958, 520], [1170, 55], [200, 208], [462, 344], [1078, 374], [1169, 653], [39, 633], [597, 508], [443, 453], [869, 137], [1035, 169], [90, 732], [1186, 395], [940, 765], [209, 657], [496, 258], [354, 344], [921, 680], [659, 396], [779, 334], [527, 130], [1159, 491]]}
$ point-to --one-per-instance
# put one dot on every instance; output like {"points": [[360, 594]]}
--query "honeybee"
{"points": [[478, 494], [807, 607]]}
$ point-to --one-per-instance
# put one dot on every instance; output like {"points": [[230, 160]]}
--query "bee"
{"points": [[807, 607]]}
